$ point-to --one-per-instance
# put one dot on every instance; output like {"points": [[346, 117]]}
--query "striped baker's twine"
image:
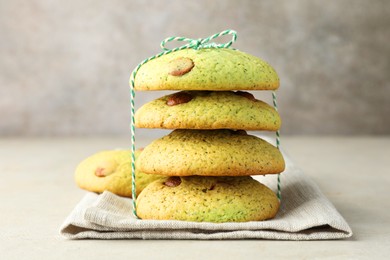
{"points": [[195, 44], [274, 99], [201, 43]]}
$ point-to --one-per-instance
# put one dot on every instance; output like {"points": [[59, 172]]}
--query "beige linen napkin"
{"points": [[305, 214]]}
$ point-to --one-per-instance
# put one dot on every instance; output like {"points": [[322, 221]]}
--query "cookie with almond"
{"points": [[207, 199], [208, 110], [111, 171], [206, 69]]}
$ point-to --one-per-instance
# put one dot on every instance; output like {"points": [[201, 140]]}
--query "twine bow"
{"points": [[200, 43]]}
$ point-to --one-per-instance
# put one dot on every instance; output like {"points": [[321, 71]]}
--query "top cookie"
{"points": [[206, 69]]}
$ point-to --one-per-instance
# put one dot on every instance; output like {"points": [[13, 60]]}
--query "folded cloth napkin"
{"points": [[305, 214]]}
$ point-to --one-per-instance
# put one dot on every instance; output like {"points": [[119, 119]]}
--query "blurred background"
{"points": [[65, 65]]}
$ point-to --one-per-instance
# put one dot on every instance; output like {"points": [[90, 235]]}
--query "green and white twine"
{"points": [[195, 44], [279, 192]]}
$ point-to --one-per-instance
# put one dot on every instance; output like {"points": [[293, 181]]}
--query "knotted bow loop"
{"points": [[197, 44]]}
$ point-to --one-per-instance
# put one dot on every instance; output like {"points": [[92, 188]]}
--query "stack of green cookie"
{"points": [[208, 157]]}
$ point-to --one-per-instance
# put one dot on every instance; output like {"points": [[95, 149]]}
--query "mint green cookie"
{"points": [[207, 199], [111, 171], [210, 153], [206, 69], [208, 110]]}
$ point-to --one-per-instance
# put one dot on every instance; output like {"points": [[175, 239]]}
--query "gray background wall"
{"points": [[64, 65]]}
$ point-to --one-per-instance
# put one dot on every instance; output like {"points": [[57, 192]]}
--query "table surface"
{"points": [[38, 192]]}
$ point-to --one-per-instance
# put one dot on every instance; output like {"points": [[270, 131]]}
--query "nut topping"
{"points": [[241, 132], [173, 182], [100, 172], [179, 98], [180, 66], [106, 168], [245, 95]]}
